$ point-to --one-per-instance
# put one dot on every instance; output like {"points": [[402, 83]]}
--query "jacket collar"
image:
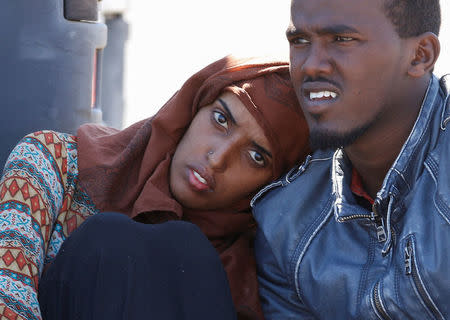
{"points": [[407, 167]]}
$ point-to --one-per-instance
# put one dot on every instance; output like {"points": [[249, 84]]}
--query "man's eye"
{"points": [[299, 40], [257, 157], [344, 39], [220, 118]]}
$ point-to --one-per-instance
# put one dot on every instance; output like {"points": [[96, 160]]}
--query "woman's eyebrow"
{"points": [[227, 110], [261, 149]]}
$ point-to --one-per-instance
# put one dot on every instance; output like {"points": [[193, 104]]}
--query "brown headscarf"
{"points": [[128, 171]]}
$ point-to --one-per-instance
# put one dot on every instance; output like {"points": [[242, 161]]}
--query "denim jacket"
{"points": [[322, 256]]}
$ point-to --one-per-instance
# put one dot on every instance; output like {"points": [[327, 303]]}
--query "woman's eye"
{"points": [[257, 157], [221, 119]]}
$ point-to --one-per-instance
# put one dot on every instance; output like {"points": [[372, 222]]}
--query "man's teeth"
{"points": [[321, 94], [200, 178]]}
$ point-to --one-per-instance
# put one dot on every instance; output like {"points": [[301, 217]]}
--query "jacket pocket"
{"points": [[412, 273]]}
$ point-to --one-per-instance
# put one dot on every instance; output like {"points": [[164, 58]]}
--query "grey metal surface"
{"points": [[113, 71], [46, 69]]}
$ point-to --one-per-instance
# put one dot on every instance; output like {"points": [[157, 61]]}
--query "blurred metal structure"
{"points": [[112, 13], [50, 58]]}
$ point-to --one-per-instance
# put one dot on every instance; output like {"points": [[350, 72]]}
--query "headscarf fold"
{"points": [[128, 171]]}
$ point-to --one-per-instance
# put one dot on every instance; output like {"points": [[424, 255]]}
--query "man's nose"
{"points": [[317, 61]]}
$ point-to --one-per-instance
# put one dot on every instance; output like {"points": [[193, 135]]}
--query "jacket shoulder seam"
{"points": [[306, 240], [438, 202]]}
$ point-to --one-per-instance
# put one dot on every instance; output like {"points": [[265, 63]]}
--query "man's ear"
{"points": [[426, 52]]}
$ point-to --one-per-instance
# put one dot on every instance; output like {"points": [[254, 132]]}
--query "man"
{"points": [[362, 229]]}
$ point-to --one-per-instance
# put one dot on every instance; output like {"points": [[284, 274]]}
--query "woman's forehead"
{"points": [[243, 118]]}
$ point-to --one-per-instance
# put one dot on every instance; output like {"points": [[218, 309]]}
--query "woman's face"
{"points": [[223, 157]]}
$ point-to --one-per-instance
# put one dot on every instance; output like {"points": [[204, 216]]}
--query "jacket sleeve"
{"points": [[32, 190], [278, 296]]}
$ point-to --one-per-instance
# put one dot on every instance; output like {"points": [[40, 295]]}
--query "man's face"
{"points": [[348, 67]]}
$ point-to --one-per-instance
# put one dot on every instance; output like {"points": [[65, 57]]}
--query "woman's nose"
{"points": [[220, 156]]}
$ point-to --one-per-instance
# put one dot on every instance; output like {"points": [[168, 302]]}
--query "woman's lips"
{"points": [[197, 181]]}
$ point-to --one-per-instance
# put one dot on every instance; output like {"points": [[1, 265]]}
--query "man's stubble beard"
{"points": [[327, 139]]}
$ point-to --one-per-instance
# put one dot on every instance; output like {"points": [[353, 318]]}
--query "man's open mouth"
{"points": [[322, 95]]}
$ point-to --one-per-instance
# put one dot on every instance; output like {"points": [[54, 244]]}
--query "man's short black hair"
{"points": [[414, 17]]}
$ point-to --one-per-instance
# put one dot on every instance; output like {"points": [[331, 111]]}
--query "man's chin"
{"points": [[325, 139]]}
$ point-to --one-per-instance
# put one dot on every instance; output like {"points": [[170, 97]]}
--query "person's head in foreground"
{"points": [[243, 135], [232, 128], [360, 68]]}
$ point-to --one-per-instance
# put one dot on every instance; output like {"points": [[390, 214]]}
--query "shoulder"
{"points": [[45, 144], [292, 210], [436, 163], [47, 154], [47, 138], [439, 167], [300, 183], [441, 151]]}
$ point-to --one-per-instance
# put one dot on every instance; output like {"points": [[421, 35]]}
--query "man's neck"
{"points": [[374, 153]]}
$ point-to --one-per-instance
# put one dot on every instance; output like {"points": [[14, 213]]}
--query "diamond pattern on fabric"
{"points": [[58, 147], [35, 203], [8, 258], [25, 192], [13, 188], [20, 259], [9, 314], [3, 192], [37, 213]]}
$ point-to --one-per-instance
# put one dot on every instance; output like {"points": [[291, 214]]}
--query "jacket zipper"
{"points": [[381, 232], [378, 219], [377, 302], [354, 216], [411, 270]]}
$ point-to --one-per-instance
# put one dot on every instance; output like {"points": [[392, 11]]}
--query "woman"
{"points": [[232, 127]]}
